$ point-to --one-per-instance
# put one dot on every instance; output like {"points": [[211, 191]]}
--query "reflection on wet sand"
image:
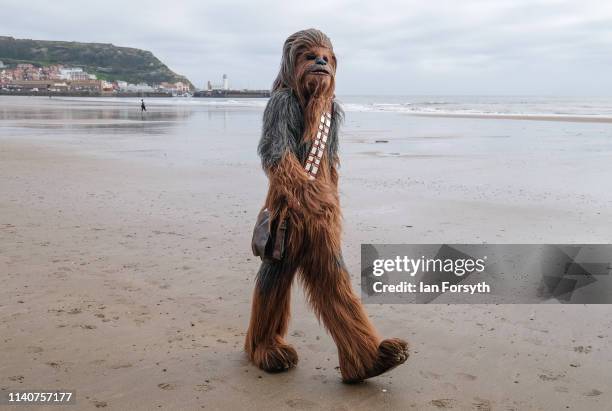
{"points": [[70, 116]]}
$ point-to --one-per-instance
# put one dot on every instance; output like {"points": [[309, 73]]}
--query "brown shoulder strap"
{"points": [[313, 162]]}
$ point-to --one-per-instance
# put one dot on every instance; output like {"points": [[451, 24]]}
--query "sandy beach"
{"points": [[126, 270]]}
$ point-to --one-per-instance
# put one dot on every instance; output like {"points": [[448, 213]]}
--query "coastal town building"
{"points": [[25, 77], [107, 86], [139, 88], [224, 85], [178, 88], [75, 73], [35, 85]]}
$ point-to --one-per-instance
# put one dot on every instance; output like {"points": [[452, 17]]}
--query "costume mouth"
{"points": [[319, 71]]}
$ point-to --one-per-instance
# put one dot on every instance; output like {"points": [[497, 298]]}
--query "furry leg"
{"points": [[331, 296], [360, 354], [264, 343]]}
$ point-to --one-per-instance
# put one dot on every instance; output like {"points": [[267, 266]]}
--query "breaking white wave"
{"points": [[474, 106]]}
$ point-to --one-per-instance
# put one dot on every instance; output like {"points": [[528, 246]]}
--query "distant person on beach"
{"points": [[142, 106]]}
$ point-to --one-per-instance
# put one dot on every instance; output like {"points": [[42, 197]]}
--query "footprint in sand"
{"points": [[207, 386], [443, 403], [16, 378], [593, 393], [118, 366], [99, 404], [481, 405], [583, 349], [550, 376], [301, 404], [166, 386]]}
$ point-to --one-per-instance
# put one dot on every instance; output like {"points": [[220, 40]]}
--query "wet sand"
{"points": [[532, 117], [127, 273]]}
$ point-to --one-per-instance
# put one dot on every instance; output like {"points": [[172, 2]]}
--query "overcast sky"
{"points": [[383, 47]]}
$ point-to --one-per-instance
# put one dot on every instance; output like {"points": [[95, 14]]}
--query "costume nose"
{"points": [[320, 61]]}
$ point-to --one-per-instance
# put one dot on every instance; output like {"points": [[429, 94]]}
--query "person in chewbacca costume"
{"points": [[303, 191]]}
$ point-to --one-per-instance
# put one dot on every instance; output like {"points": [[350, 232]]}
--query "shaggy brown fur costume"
{"points": [[303, 89]]}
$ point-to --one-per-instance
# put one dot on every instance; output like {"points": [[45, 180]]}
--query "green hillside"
{"points": [[107, 61]]}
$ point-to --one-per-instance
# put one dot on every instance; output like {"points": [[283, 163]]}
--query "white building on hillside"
{"points": [[140, 87], [74, 73]]}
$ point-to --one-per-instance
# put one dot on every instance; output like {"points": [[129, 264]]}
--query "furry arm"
{"points": [[280, 140]]}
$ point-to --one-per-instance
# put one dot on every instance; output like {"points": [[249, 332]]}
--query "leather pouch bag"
{"points": [[269, 235]]}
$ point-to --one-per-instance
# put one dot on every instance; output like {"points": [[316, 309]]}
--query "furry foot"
{"points": [[391, 353], [275, 358]]}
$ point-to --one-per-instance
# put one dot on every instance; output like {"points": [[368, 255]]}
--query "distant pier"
{"points": [[232, 93]]}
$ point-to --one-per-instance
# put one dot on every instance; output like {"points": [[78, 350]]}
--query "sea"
{"points": [[382, 126], [493, 106], [519, 152]]}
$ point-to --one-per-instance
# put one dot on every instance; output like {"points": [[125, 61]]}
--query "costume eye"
{"points": [[326, 59], [310, 56]]}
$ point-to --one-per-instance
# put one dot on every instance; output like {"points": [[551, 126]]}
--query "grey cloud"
{"points": [[385, 47]]}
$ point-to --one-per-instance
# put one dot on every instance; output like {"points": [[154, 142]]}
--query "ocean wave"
{"points": [[449, 109], [500, 107]]}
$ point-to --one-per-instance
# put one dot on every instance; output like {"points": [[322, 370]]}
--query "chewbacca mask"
{"points": [[301, 93]]}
